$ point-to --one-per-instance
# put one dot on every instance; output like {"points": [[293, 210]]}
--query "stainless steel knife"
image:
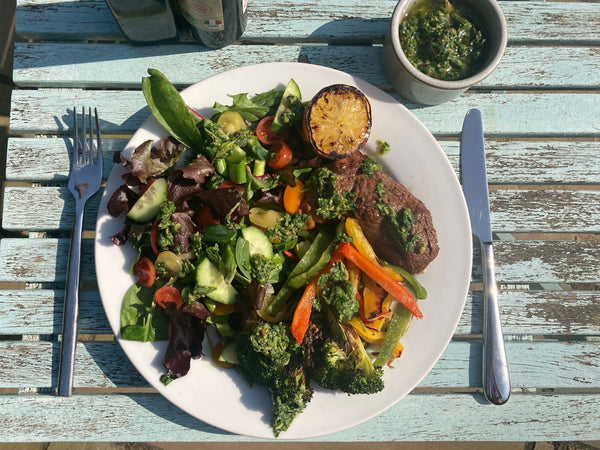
{"points": [[496, 378]]}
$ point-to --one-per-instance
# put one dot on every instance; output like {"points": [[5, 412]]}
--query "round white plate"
{"points": [[221, 397]]}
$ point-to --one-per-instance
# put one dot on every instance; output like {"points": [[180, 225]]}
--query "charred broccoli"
{"points": [[347, 366], [269, 357]]}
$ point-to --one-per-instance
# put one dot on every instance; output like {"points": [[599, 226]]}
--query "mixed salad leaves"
{"points": [[226, 240]]}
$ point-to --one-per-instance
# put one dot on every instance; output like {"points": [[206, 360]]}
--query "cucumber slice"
{"points": [[258, 241], [146, 207], [290, 95], [208, 275]]}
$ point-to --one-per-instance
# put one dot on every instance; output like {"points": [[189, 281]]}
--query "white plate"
{"points": [[222, 398]]}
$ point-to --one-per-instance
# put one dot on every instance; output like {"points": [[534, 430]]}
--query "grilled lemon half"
{"points": [[337, 121]]}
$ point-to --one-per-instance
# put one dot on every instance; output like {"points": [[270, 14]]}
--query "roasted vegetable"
{"points": [[337, 121]]}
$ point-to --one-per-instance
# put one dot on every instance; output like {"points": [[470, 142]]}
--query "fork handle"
{"points": [[71, 307]]}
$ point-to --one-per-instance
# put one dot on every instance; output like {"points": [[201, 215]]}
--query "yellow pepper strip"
{"points": [[360, 240], [223, 310], [367, 334], [373, 297]]}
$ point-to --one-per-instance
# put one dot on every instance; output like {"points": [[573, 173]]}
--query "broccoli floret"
{"points": [[348, 370], [270, 357], [290, 393], [264, 349]]}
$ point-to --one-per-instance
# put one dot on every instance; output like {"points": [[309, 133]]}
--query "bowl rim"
{"points": [[399, 12]]}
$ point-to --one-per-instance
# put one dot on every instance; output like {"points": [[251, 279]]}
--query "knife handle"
{"points": [[496, 378]]}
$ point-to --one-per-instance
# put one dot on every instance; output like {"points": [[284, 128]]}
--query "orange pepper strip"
{"points": [[381, 277], [301, 318], [293, 197]]}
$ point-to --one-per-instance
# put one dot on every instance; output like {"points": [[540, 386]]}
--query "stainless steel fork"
{"points": [[84, 181]]}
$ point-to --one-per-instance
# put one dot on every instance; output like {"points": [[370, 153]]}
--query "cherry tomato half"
{"points": [[144, 271], [264, 133], [168, 294], [282, 157]]}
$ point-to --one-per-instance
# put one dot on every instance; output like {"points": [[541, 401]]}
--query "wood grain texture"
{"points": [[532, 417], [524, 313], [566, 365], [511, 162], [561, 314], [102, 65], [531, 22], [35, 260], [49, 111], [521, 210]]}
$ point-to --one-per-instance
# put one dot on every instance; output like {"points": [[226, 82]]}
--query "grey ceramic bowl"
{"points": [[418, 87]]}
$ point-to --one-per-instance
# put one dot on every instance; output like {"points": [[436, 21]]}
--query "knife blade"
{"points": [[496, 377]]}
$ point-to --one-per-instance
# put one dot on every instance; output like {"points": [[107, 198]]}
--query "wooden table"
{"points": [[541, 111]]}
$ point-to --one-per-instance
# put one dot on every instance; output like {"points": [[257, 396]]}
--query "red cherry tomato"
{"points": [[168, 294], [282, 157], [144, 271], [264, 133], [204, 217]]}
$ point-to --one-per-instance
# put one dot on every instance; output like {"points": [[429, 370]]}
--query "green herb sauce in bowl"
{"points": [[443, 40], [437, 49]]}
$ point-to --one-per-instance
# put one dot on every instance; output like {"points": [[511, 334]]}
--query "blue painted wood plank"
{"points": [[121, 66], [42, 159], [515, 114], [513, 210], [422, 417], [508, 162], [529, 22], [524, 313], [554, 261], [565, 365]]}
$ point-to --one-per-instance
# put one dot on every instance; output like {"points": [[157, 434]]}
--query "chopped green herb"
{"points": [[442, 41], [369, 166]]}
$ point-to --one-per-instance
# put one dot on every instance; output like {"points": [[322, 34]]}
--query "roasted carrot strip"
{"points": [[303, 310], [398, 291]]}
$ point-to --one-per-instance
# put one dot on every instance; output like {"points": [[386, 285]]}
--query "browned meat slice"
{"points": [[377, 227], [389, 244]]}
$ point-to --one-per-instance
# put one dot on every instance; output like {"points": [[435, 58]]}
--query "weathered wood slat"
{"points": [[512, 210], [40, 312], [324, 21], [550, 313], [103, 364], [43, 159], [515, 115], [101, 65], [118, 417], [524, 313], [41, 260], [508, 162]]}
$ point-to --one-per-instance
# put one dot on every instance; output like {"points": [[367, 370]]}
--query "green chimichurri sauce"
{"points": [[442, 40]]}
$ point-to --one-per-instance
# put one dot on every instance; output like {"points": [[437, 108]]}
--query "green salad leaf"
{"points": [[255, 108], [170, 110], [141, 319]]}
